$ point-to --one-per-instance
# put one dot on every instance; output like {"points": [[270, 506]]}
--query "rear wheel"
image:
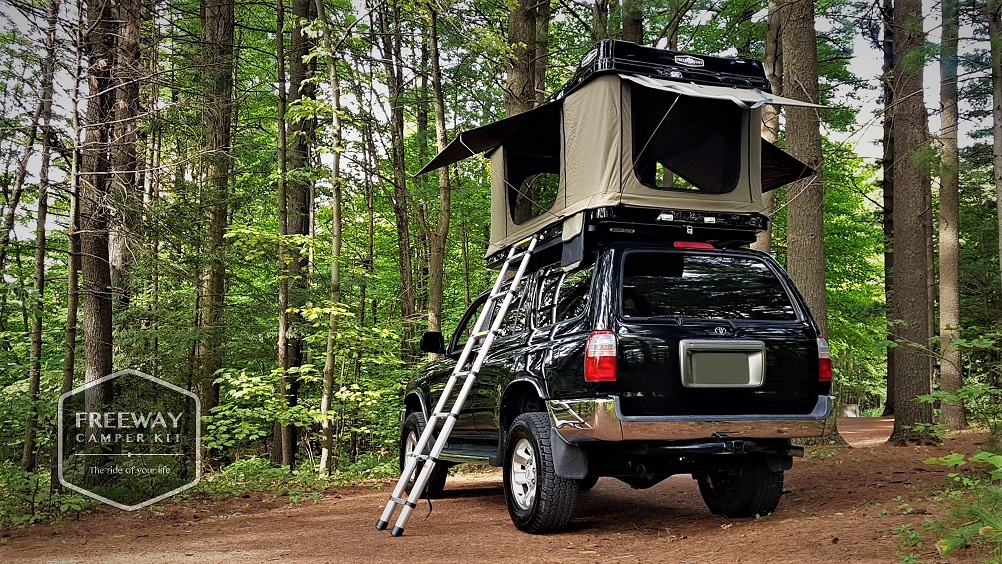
{"points": [[748, 490], [539, 501], [410, 435]]}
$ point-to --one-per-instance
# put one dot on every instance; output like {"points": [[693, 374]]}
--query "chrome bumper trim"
{"points": [[600, 419]]}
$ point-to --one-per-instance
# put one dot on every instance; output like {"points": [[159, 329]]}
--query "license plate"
{"points": [[722, 363]]}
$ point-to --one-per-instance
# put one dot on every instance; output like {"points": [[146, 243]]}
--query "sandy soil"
{"points": [[839, 506]]}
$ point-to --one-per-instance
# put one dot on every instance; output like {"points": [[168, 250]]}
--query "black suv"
{"points": [[644, 361]]}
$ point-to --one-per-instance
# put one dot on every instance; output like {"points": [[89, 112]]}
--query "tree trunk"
{"points": [[297, 186], [283, 215], [99, 41], [951, 375], [326, 421], [73, 255], [770, 114], [995, 35], [14, 199], [888, 195], [217, 56], [389, 21], [633, 21], [28, 458], [542, 53], [520, 94], [805, 199], [126, 196], [438, 236], [913, 367]]}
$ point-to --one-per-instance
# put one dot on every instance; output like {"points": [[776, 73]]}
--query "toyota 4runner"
{"points": [[644, 361]]}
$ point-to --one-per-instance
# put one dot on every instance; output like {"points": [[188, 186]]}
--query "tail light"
{"points": [[693, 245], [824, 361], [600, 357]]}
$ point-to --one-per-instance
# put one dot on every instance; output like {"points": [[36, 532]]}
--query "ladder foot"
{"points": [[381, 525], [397, 531]]}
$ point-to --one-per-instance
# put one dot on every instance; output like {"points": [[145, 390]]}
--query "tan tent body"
{"points": [[709, 135]]}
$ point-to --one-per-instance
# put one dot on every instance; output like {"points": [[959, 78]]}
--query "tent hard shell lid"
{"points": [[631, 130]]}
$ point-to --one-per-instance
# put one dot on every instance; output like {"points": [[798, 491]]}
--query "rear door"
{"points": [[712, 333]]}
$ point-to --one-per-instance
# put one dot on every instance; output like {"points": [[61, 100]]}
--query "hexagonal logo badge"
{"points": [[129, 439]]}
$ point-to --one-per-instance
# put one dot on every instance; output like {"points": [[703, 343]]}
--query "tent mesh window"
{"points": [[533, 168], [685, 143]]}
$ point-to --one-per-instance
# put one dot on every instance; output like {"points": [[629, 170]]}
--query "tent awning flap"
{"points": [[487, 137], [780, 168], [746, 98]]}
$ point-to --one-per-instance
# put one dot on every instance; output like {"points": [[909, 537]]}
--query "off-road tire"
{"points": [[747, 490], [552, 506], [415, 424]]}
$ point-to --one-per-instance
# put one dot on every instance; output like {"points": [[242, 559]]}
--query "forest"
{"points": [[223, 194]]}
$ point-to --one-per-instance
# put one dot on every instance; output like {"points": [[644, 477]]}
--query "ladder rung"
{"points": [[424, 457], [402, 501], [480, 334], [444, 414], [500, 294]]}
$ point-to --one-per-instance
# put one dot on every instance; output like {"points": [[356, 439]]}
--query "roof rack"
{"points": [[615, 224]]}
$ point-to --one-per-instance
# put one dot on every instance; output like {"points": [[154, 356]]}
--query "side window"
{"points": [[543, 314], [572, 296], [466, 327], [515, 320], [562, 296]]}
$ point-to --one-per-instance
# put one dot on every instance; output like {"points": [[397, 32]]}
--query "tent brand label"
{"points": [[689, 60]]}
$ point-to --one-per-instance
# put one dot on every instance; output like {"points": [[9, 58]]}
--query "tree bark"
{"points": [[995, 35], [283, 215], [520, 91], [389, 24], [542, 50], [887, 185], [770, 114], [951, 374], [99, 40], [805, 199], [633, 21], [298, 189], [913, 367], [217, 55], [73, 254], [126, 196], [28, 457], [326, 422], [438, 236], [14, 199]]}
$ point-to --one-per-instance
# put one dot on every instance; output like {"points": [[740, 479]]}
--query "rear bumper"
{"points": [[600, 419]]}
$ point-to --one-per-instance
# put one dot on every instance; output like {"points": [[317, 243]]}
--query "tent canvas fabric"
{"points": [[708, 135]]}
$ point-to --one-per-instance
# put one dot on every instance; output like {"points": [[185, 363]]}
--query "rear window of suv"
{"points": [[687, 285]]}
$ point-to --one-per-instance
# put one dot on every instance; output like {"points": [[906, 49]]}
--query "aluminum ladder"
{"points": [[480, 341]]}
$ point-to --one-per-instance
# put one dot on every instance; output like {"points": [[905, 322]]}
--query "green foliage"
{"points": [[28, 498], [980, 394], [975, 497]]}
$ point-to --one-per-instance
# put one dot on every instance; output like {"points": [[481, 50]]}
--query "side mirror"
{"points": [[433, 342]]}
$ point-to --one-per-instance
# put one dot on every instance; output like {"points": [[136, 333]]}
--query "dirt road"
{"points": [[838, 507]]}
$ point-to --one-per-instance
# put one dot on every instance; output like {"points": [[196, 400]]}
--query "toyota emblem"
{"points": [[720, 330]]}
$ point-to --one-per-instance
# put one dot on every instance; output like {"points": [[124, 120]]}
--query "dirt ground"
{"points": [[839, 506]]}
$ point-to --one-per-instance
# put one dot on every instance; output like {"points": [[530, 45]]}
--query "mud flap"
{"points": [[569, 461]]}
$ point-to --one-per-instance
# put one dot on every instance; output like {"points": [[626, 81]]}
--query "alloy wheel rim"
{"points": [[524, 474]]}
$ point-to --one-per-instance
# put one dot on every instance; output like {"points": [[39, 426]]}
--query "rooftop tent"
{"points": [[627, 140]]}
